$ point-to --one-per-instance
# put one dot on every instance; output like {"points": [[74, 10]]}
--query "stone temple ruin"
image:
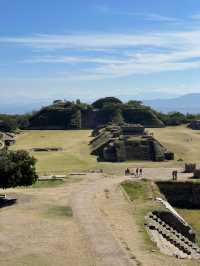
{"points": [[171, 233], [6, 139], [195, 125], [118, 143], [192, 169]]}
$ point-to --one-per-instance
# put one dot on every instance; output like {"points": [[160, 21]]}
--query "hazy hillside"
{"points": [[189, 103]]}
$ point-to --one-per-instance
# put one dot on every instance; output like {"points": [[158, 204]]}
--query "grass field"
{"points": [[183, 141], [75, 154]]}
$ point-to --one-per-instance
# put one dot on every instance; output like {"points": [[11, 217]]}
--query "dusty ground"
{"points": [[32, 232], [103, 229]]}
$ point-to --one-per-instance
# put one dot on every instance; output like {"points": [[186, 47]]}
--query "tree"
{"points": [[175, 119], [23, 121], [17, 168], [57, 102], [135, 104], [104, 101], [8, 125]]}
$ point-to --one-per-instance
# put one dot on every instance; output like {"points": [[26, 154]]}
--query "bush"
{"points": [[100, 103], [9, 123], [173, 118], [17, 168]]}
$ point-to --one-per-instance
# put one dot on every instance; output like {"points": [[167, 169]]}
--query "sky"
{"points": [[139, 49]]}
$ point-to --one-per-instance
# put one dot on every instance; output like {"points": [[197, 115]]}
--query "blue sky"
{"points": [[87, 49]]}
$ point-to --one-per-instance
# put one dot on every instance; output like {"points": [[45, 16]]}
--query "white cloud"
{"points": [[72, 60], [142, 53], [101, 42], [85, 41], [106, 10], [195, 16]]}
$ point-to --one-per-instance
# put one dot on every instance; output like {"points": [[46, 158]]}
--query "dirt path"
{"points": [[105, 247], [35, 231], [108, 222], [102, 232]]}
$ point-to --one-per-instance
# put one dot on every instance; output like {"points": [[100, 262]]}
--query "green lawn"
{"points": [[59, 211], [48, 183]]}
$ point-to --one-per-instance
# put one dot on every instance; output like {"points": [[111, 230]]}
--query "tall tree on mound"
{"points": [[17, 168], [106, 101]]}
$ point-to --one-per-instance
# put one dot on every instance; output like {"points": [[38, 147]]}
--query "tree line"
{"points": [[109, 106]]}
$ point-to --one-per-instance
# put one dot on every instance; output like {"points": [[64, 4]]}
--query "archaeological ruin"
{"points": [[118, 143], [171, 233], [6, 139], [195, 125], [70, 115]]}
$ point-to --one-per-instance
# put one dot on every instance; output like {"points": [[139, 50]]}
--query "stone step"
{"points": [[170, 234]]}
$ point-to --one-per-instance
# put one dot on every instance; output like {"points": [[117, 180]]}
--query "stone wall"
{"points": [[195, 125], [176, 224], [181, 194]]}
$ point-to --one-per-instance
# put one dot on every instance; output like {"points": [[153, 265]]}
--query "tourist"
{"points": [[137, 171], [127, 171], [174, 175], [141, 171]]}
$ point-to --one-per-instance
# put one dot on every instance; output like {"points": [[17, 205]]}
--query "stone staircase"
{"points": [[169, 239]]}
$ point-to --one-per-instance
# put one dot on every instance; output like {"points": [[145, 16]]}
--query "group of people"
{"points": [[138, 172]]}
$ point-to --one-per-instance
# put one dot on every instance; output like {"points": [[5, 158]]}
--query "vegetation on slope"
{"points": [[78, 115]]}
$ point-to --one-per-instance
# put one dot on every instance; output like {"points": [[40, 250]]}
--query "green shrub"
{"points": [[17, 168]]}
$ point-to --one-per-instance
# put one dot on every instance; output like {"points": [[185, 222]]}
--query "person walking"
{"points": [[137, 172], [141, 171], [174, 175], [127, 171]]}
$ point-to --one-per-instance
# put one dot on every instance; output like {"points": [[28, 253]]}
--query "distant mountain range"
{"points": [[21, 107], [189, 103]]}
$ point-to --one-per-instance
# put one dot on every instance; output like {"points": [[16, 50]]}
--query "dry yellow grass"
{"points": [[183, 141], [75, 155], [37, 230], [40, 229]]}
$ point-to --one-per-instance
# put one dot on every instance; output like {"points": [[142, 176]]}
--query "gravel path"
{"points": [[104, 246]]}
